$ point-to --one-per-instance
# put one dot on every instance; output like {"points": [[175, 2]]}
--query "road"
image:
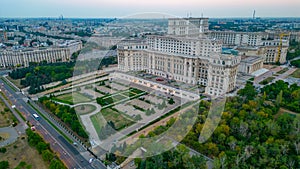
{"points": [[65, 150]]}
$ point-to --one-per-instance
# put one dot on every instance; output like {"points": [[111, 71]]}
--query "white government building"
{"points": [[185, 55]]}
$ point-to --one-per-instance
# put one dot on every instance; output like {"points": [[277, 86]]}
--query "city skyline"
{"points": [[118, 8]]}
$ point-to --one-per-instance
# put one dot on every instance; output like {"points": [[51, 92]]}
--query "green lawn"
{"points": [[119, 96], [97, 122], [283, 71], [267, 80], [72, 98], [112, 99], [85, 109], [136, 91], [110, 115], [296, 74]]}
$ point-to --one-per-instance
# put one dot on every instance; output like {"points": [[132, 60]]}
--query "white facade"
{"points": [[11, 58], [187, 26], [230, 38], [191, 60], [250, 64], [255, 44], [73, 45]]}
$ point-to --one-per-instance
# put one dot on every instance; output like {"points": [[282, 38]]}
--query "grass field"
{"points": [[107, 100], [21, 151], [267, 80], [85, 109], [97, 121], [72, 98], [6, 117], [122, 95], [296, 74], [283, 71], [110, 115], [136, 91]]}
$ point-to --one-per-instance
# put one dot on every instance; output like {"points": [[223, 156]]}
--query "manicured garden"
{"points": [[71, 98]]}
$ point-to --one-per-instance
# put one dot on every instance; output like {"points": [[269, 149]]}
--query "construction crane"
{"points": [[281, 35]]}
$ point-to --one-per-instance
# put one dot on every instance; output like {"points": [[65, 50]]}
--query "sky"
{"points": [[125, 8]]}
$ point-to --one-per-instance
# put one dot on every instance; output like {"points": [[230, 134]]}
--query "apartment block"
{"points": [[13, 58]]}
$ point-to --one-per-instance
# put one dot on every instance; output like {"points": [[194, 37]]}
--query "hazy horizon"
{"points": [[121, 8]]}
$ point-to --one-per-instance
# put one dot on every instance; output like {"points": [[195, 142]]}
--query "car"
{"points": [[13, 106]]}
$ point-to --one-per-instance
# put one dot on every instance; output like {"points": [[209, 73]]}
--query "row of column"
{"points": [[23, 58]]}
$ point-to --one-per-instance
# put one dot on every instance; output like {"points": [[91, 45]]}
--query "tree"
{"points": [[248, 91], [171, 101], [41, 146], [47, 155], [56, 164], [279, 98], [4, 165]]}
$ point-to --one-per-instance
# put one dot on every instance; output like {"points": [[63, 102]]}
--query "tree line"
{"points": [[43, 148], [38, 74], [42, 73], [66, 114]]}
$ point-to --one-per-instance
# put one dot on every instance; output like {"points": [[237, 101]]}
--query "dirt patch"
{"points": [[21, 151], [16, 82], [85, 109], [4, 136], [6, 117]]}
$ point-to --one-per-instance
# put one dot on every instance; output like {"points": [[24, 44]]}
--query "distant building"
{"points": [[231, 38], [264, 44], [106, 42], [73, 45], [268, 50], [3, 36], [13, 58]]}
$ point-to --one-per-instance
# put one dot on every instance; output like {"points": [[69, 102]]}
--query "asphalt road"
{"points": [[65, 150]]}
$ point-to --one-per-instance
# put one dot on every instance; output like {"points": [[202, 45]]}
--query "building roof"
{"points": [[251, 59], [259, 72]]}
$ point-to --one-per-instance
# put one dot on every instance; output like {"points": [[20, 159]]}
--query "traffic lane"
{"points": [[13, 96], [59, 139], [95, 163], [58, 149], [63, 150]]}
